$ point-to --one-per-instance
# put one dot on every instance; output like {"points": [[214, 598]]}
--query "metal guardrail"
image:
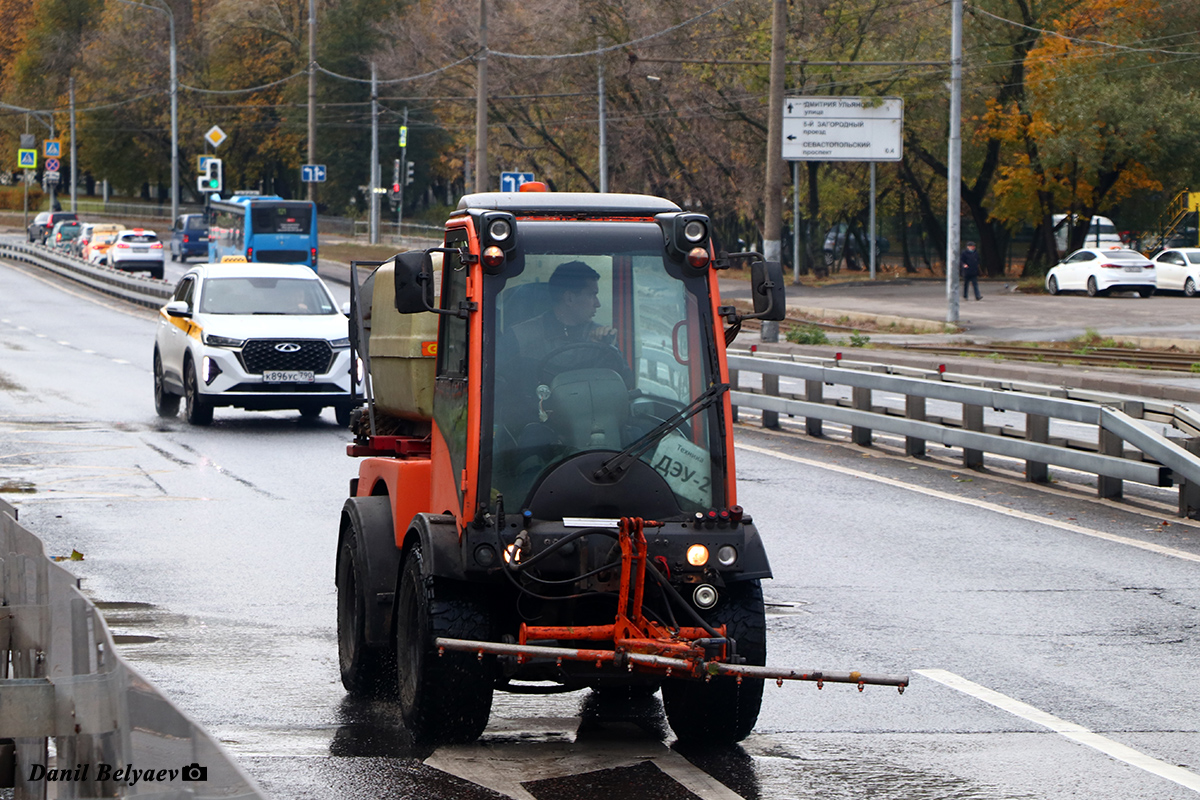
{"points": [[135, 288], [1120, 420], [62, 678]]}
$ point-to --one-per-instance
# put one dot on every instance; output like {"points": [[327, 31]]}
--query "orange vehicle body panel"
{"points": [[714, 293], [408, 487]]}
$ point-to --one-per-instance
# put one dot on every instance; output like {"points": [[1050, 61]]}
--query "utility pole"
{"points": [[603, 121], [773, 217], [312, 92], [954, 167], [373, 235], [402, 177], [74, 152], [174, 124], [481, 112]]}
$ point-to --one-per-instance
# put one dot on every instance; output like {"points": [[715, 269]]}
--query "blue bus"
{"points": [[263, 228]]}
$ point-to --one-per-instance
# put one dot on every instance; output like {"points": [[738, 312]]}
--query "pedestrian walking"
{"points": [[970, 270]]}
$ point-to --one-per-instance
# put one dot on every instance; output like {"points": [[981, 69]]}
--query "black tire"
{"points": [[443, 698], [310, 411], [1145, 292], [198, 408], [342, 412], [1092, 289], [157, 273], [1189, 287], [1052, 285], [720, 711], [165, 403], [366, 670]]}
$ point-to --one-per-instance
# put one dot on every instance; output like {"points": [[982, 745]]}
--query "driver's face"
{"points": [[576, 308]]}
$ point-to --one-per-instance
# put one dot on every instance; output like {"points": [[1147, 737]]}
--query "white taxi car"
{"points": [[137, 250], [1100, 270], [1178, 269], [252, 335]]}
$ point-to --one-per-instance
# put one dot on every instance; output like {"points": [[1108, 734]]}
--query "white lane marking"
{"points": [[1076, 733], [983, 504], [120, 361], [65, 344]]}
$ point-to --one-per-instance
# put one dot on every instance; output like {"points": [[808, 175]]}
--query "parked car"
{"points": [[835, 247], [137, 250], [92, 244], [252, 335], [42, 224], [64, 233], [1100, 271], [1179, 270], [189, 237]]}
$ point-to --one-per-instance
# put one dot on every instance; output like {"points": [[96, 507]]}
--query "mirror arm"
{"points": [[465, 307]]}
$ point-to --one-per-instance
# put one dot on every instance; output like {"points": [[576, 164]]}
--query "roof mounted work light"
{"points": [[683, 234]]}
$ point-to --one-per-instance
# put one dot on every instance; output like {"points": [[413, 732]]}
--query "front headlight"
{"points": [[220, 341], [340, 344]]}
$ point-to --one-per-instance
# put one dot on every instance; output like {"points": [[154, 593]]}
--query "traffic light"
{"points": [[409, 178], [212, 179]]}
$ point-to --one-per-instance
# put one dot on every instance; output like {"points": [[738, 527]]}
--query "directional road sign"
{"points": [[511, 181], [312, 173], [215, 136], [52, 164], [27, 159], [52, 148], [843, 128]]}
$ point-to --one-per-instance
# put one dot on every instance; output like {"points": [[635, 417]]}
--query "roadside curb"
{"points": [[1137, 383], [884, 321]]}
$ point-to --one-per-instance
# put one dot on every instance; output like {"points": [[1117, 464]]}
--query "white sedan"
{"points": [[1099, 271], [136, 250], [255, 336], [1179, 270]]}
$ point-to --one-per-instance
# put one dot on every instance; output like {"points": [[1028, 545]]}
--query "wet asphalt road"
{"points": [[212, 552]]}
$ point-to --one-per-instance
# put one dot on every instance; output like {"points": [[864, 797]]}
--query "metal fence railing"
{"points": [[61, 678], [1121, 442], [135, 288]]}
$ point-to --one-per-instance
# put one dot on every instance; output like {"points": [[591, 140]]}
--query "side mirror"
{"points": [[346, 309], [178, 308], [414, 282], [766, 285]]}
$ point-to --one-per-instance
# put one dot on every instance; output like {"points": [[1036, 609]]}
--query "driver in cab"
{"points": [[575, 299]]}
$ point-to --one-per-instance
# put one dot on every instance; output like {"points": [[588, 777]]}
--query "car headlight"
{"points": [[340, 344], [221, 341]]}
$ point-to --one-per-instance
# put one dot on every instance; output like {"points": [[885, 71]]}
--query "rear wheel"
{"points": [[165, 403], [720, 711], [448, 697], [365, 669], [1052, 285], [1092, 289], [1189, 288], [198, 408], [1146, 292]]}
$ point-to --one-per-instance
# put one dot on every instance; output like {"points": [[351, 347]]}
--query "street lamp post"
{"points": [[166, 9]]}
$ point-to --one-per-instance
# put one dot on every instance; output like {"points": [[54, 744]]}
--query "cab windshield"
{"points": [[600, 338]]}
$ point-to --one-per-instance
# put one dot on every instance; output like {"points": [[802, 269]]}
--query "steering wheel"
{"points": [[571, 356], [652, 407]]}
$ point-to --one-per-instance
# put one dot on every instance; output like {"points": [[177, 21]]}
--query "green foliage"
{"points": [[807, 334], [859, 340]]}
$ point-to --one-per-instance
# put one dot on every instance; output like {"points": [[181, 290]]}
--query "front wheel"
{"points": [[1146, 292], [198, 409], [1189, 288], [342, 413], [722, 711], [444, 698], [1092, 289], [1052, 285], [165, 403]]}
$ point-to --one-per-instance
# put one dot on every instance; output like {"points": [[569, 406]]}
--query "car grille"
{"points": [[282, 256], [260, 354]]}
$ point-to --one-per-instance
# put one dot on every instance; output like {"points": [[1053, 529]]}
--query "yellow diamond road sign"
{"points": [[215, 136], [27, 159]]}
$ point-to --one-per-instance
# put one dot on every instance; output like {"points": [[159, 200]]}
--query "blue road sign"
{"points": [[511, 181], [27, 158], [52, 164], [53, 148], [312, 173]]}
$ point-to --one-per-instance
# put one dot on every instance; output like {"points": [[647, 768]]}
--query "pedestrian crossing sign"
{"points": [[53, 148], [27, 159]]}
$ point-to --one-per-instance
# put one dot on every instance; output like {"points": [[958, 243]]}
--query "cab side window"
{"points": [[185, 290]]}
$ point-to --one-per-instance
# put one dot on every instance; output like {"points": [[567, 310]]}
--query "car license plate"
{"points": [[141, 249], [1133, 269], [288, 376]]}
